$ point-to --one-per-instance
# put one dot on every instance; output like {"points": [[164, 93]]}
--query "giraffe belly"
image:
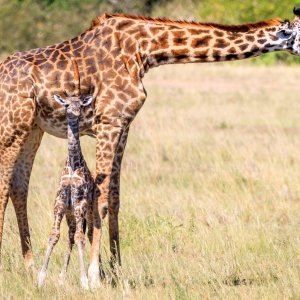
{"points": [[54, 122]]}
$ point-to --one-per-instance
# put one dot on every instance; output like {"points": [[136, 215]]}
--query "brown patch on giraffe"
{"points": [[221, 43], [62, 64], [231, 56], [163, 40], [197, 31], [178, 34], [124, 24], [161, 58], [232, 50], [180, 41], [54, 56], [261, 34], [40, 62], [250, 38], [234, 36], [261, 41], [217, 55], [238, 41], [254, 49], [273, 37], [247, 54], [201, 42], [243, 47], [106, 31], [91, 66], [77, 45], [155, 30], [180, 53], [218, 33], [107, 43], [270, 29], [40, 56], [130, 45], [88, 37]]}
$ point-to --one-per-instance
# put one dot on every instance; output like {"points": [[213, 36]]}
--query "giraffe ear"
{"points": [[86, 100], [60, 100]]}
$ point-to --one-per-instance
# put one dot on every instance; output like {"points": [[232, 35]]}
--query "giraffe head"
{"points": [[74, 103], [289, 33]]}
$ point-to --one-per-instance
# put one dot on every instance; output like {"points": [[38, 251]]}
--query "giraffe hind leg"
{"points": [[12, 141], [114, 203], [59, 212], [80, 242], [19, 192], [72, 228]]}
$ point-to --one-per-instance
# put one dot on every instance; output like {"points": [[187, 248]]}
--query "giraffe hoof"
{"points": [[30, 267], [61, 279], [84, 282], [94, 276], [41, 278]]}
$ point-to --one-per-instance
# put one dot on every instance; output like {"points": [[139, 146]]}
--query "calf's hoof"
{"points": [[41, 278]]}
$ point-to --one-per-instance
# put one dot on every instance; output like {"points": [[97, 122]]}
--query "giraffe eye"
{"points": [[285, 34]]}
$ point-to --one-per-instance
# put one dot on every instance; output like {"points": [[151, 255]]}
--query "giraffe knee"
{"points": [[54, 237]]}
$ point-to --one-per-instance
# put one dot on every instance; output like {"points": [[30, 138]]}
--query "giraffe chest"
{"points": [[52, 119]]}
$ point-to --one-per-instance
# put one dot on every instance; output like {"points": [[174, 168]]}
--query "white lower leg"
{"points": [[63, 273], [43, 273], [94, 275], [83, 276]]}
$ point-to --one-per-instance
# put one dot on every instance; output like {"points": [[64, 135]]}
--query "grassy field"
{"points": [[210, 192]]}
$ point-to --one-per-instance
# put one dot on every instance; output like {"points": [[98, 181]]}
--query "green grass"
{"points": [[210, 192]]}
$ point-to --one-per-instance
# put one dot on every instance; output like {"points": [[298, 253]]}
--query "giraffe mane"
{"points": [[76, 77], [164, 21]]}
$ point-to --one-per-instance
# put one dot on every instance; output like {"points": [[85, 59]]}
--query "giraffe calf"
{"points": [[76, 191]]}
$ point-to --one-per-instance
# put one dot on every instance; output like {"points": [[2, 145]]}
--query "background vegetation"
{"points": [[26, 24]]}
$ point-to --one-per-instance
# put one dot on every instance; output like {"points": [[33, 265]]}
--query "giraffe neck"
{"points": [[173, 46], [156, 42], [75, 156]]}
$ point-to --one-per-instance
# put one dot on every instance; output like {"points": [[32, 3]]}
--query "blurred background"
{"points": [[26, 24]]}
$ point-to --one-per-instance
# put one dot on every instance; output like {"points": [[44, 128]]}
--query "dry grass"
{"points": [[210, 192]]}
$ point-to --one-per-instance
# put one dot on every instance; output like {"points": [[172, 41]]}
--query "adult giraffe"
{"points": [[113, 56]]}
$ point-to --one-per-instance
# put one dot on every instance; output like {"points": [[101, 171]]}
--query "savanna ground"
{"points": [[210, 192]]}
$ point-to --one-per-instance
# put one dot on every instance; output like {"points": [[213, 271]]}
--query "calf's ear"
{"points": [[60, 100], [86, 100]]}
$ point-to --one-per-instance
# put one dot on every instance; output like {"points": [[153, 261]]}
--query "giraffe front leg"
{"points": [[108, 138], [114, 203], [59, 212]]}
